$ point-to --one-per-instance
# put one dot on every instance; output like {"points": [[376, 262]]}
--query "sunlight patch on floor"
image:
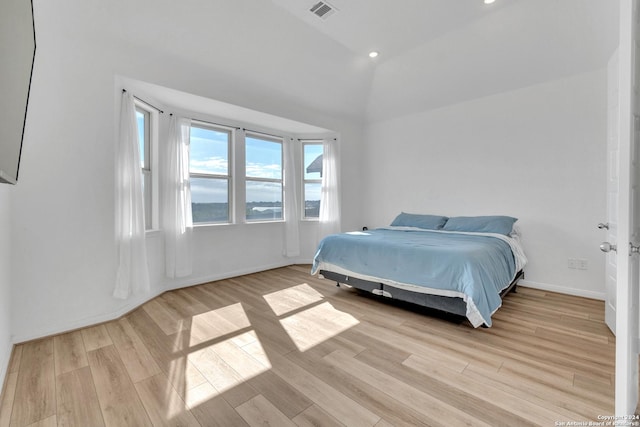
{"points": [[225, 364], [200, 395], [317, 324], [217, 323], [183, 375], [293, 298], [226, 352], [225, 349]]}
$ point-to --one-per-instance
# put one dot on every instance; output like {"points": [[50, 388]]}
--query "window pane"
{"points": [[312, 161], [263, 158], [209, 151], [264, 200], [210, 199], [312, 199], [141, 136]]}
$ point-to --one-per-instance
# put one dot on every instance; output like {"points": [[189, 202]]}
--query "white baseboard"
{"points": [[5, 358], [136, 302], [185, 282], [130, 305], [562, 289]]}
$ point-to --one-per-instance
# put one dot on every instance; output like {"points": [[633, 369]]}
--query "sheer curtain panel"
{"points": [[330, 196], [133, 274], [291, 227], [176, 196]]}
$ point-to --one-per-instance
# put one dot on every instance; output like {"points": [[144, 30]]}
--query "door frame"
{"points": [[626, 369]]}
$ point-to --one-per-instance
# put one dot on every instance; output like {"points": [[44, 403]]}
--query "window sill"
{"points": [[213, 224], [206, 225], [275, 221]]}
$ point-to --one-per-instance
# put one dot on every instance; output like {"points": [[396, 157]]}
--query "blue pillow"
{"points": [[481, 224], [429, 222]]}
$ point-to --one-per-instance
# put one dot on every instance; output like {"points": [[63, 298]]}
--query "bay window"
{"points": [[263, 177], [312, 178], [209, 173]]}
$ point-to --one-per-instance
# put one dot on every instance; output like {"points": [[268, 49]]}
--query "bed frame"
{"points": [[449, 305]]}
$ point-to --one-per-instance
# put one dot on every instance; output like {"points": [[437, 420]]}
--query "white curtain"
{"points": [[291, 228], [132, 275], [330, 196], [177, 221]]}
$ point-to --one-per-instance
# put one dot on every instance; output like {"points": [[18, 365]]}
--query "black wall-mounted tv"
{"points": [[17, 54]]}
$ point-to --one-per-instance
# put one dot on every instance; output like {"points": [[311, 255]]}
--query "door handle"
{"points": [[603, 226], [608, 247]]}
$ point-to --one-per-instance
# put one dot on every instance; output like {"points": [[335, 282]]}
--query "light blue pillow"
{"points": [[428, 222], [481, 224]]}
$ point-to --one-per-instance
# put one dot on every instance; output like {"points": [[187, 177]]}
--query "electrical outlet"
{"points": [[577, 264]]}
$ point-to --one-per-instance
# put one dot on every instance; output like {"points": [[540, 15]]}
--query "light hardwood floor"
{"points": [[282, 348]]}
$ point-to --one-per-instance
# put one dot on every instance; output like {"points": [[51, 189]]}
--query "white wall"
{"points": [[250, 53], [5, 279], [63, 210], [536, 153], [521, 44]]}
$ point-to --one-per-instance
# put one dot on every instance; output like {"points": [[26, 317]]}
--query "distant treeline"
{"points": [[219, 212]]}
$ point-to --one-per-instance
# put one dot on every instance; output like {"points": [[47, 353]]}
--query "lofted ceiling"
{"points": [[435, 53], [525, 44], [277, 57], [390, 27]]}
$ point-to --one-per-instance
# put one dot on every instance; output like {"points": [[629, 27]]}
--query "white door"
{"points": [[611, 226], [621, 312]]}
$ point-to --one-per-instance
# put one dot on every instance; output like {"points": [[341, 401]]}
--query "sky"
{"points": [[209, 154], [263, 159]]}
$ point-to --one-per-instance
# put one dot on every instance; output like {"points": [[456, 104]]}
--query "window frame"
{"points": [[228, 177], [305, 181], [149, 164], [267, 138]]}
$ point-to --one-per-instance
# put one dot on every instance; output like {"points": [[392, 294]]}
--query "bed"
{"points": [[460, 265]]}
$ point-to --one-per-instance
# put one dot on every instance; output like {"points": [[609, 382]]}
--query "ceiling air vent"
{"points": [[322, 10]]}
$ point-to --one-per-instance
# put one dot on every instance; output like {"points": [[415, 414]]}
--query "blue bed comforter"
{"points": [[472, 266]]}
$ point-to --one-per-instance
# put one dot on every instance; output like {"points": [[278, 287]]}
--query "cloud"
{"points": [[204, 190], [263, 191], [261, 170], [216, 165], [312, 191]]}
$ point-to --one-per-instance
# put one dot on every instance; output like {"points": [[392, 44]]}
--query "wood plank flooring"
{"points": [[282, 348]]}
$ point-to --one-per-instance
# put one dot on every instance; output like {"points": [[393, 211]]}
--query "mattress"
{"points": [[475, 267]]}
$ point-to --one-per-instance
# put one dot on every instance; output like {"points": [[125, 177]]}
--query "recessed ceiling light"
{"points": [[373, 54], [488, 1]]}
